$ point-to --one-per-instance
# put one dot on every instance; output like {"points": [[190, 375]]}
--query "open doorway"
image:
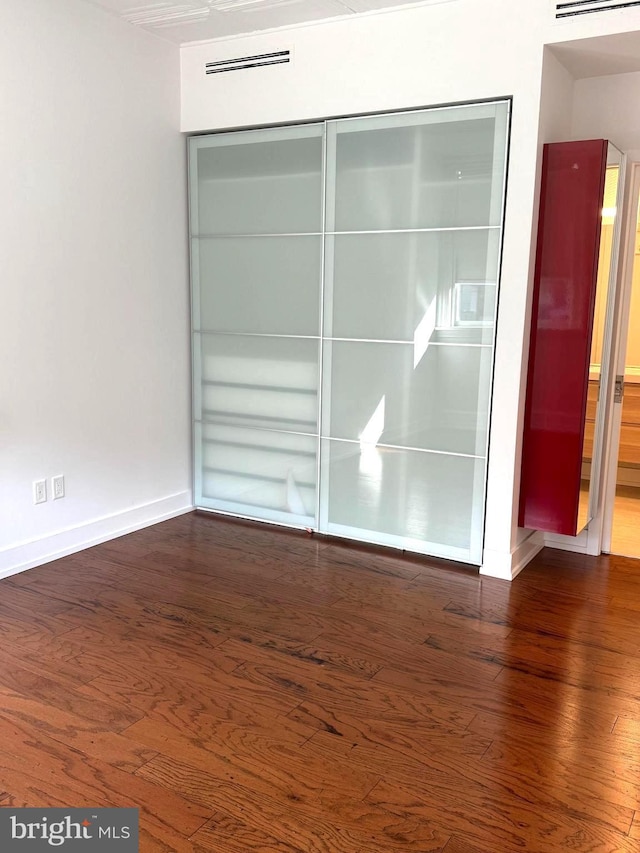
{"points": [[622, 526]]}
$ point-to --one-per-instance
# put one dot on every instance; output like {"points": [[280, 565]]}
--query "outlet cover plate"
{"points": [[57, 486], [39, 491]]}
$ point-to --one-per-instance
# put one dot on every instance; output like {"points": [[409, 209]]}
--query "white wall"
{"points": [[556, 102], [590, 26], [417, 56], [94, 356], [609, 108], [414, 57]]}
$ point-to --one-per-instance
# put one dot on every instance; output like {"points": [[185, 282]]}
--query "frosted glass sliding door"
{"points": [[256, 256], [345, 287], [414, 209]]}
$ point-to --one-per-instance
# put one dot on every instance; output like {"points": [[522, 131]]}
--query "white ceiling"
{"points": [[183, 21], [600, 56]]}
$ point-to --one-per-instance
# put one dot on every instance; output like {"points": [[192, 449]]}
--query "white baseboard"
{"points": [[506, 565], [26, 555]]}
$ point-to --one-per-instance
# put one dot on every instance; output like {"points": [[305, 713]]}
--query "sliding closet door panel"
{"points": [[414, 286], [266, 285], [265, 382], [260, 182], [394, 394], [433, 169], [420, 501], [256, 228], [412, 255]]}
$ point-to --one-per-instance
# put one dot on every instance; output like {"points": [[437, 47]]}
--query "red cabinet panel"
{"points": [[573, 175]]}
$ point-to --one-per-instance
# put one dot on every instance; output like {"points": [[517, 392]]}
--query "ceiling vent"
{"points": [[167, 14], [249, 5], [571, 8], [278, 57]]}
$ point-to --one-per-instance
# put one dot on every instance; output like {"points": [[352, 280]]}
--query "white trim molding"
{"points": [[506, 565], [27, 555]]}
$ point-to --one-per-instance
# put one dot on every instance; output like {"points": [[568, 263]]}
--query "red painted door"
{"points": [[573, 175]]}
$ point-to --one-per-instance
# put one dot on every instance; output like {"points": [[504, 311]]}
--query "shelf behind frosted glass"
{"points": [[402, 286], [427, 502], [435, 168], [258, 284], [266, 475], [259, 381], [395, 394], [269, 182]]}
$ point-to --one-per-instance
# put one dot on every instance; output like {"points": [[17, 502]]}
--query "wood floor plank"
{"points": [[593, 698], [446, 771], [36, 653], [565, 661], [142, 691], [604, 627], [515, 696], [187, 658], [484, 817], [375, 561], [226, 834], [262, 763], [84, 780], [29, 791], [169, 642], [77, 732], [63, 694], [405, 733], [592, 774], [320, 655], [456, 845], [627, 726], [344, 694], [346, 824], [419, 658], [29, 604], [34, 793], [342, 581], [501, 724], [99, 583]]}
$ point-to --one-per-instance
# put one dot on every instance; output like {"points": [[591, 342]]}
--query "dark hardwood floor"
{"points": [[256, 689]]}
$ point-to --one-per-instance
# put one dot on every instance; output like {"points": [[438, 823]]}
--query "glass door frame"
{"points": [[602, 535]]}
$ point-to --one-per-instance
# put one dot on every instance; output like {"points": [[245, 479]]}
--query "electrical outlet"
{"points": [[40, 491], [57, 486]]}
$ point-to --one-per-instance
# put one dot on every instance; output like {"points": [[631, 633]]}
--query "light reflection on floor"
{"points": [[625, 539]]}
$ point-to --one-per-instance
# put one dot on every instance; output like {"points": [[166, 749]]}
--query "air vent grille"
{"points": [[571, 8], [167, 14], [278, 57]]}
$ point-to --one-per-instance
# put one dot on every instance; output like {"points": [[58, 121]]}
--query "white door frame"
{"points": [[620, 335], [591, 540]]}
